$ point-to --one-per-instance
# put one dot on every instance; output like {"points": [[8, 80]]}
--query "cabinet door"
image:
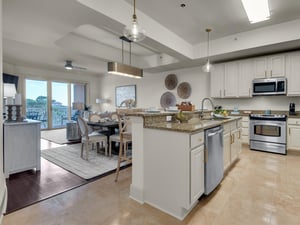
{"points": [[294, 137], [235, 145], [217, 81], [276, 65], [231, 79], [246, 75], [197, 173], [292, 74], [227, 144], [260, 67]]}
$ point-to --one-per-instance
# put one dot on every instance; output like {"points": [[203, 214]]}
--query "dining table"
{"points": [[110, 125]]}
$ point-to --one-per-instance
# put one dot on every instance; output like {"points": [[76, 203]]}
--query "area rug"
{"points": [[58, 136], [68, 157]]}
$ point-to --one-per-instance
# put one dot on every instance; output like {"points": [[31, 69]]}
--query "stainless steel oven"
{"points": [[268, 133]]}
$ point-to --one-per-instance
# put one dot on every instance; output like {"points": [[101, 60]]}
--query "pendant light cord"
{"points": [[122, 51], [134, 15], [208, 30]]}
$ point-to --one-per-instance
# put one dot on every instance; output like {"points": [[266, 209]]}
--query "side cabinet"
{"points": [[22, 150]]}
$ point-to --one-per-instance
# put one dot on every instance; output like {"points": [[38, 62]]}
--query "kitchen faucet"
{"points": [[202, 103]]}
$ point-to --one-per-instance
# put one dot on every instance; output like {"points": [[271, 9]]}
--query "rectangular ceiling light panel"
{"points": [[257, 10]]}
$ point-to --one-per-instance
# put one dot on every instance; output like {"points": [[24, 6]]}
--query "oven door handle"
{"points": [[268, 123]]}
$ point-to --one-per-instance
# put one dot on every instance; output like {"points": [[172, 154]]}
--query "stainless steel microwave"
{"points": [[272, 86]]}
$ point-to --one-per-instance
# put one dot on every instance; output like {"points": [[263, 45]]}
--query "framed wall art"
{"points": [[125, 95]]}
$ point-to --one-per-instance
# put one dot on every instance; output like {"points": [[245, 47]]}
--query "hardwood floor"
{"points": [[29, 187], [261, 189]]}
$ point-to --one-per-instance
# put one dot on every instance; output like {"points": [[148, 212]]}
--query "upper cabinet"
{"points": [[292, 73], [246, 75], [232, 79], [269, 66], [231, 76], [217, 81]]}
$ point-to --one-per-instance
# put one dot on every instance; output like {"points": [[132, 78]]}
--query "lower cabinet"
{"points": [[236, 144], [293, 137], [227, 146], [197, 173], [232, 141], [245, 130]]}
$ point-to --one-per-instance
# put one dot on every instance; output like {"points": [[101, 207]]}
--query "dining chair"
{"points": [[90, 138], [125, 137]]}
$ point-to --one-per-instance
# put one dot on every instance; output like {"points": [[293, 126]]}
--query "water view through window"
{"points": [[63, 95]]}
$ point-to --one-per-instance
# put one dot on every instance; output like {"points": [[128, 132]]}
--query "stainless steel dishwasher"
{"points": [[214, 169]]}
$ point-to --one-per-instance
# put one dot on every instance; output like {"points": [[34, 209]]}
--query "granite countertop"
{"points": [[191, 127]]}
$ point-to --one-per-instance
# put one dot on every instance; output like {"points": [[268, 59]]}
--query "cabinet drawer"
{"points": [[245, 124], [294, 121], [245, 139], [197, 139], [245, 131]]}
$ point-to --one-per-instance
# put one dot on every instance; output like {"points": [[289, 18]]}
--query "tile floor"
{"points": [[261, 188]]}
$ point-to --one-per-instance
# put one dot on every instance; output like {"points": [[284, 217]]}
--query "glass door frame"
{"points": [[49, 96]]}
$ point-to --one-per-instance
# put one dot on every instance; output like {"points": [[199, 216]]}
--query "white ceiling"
{"points": [[43, 33]]}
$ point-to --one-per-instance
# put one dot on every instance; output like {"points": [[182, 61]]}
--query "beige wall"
{"points": [[151, 87]]}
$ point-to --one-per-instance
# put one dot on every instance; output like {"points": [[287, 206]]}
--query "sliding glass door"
{"points": [[53, 106], [60, 104], [37, 101]]}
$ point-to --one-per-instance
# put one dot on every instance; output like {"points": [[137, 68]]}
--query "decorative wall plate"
{"points": [[171, 81], [167, 99], [184, 90]]}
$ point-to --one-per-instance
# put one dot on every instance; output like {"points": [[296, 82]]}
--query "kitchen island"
{"points": [[168, 161]]}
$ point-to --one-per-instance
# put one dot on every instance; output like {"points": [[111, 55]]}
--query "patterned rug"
{"points": [[68, 157]]}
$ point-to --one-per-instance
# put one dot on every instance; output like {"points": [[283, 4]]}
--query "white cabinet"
{"points": [[217, 81], [245, 130], [231, 77], [246, 75], [232, 142], [269, 66], [22, 150], [226, 153], [293, 140], [236, 144], [197, 173], [292, 73]]}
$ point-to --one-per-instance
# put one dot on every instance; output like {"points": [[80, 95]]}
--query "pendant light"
{"points": [[134, 32], [124, 69], [207, 66]]}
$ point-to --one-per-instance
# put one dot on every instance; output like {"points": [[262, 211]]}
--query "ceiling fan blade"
{"points": [[78, 67]]}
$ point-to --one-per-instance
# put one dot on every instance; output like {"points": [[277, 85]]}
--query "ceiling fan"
{"points": [[69, 66]]}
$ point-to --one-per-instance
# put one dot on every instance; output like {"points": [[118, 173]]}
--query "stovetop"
{"points": [[268, 116]]}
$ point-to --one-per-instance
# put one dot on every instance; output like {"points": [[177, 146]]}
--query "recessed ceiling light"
{"points": [[257, 10]]}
